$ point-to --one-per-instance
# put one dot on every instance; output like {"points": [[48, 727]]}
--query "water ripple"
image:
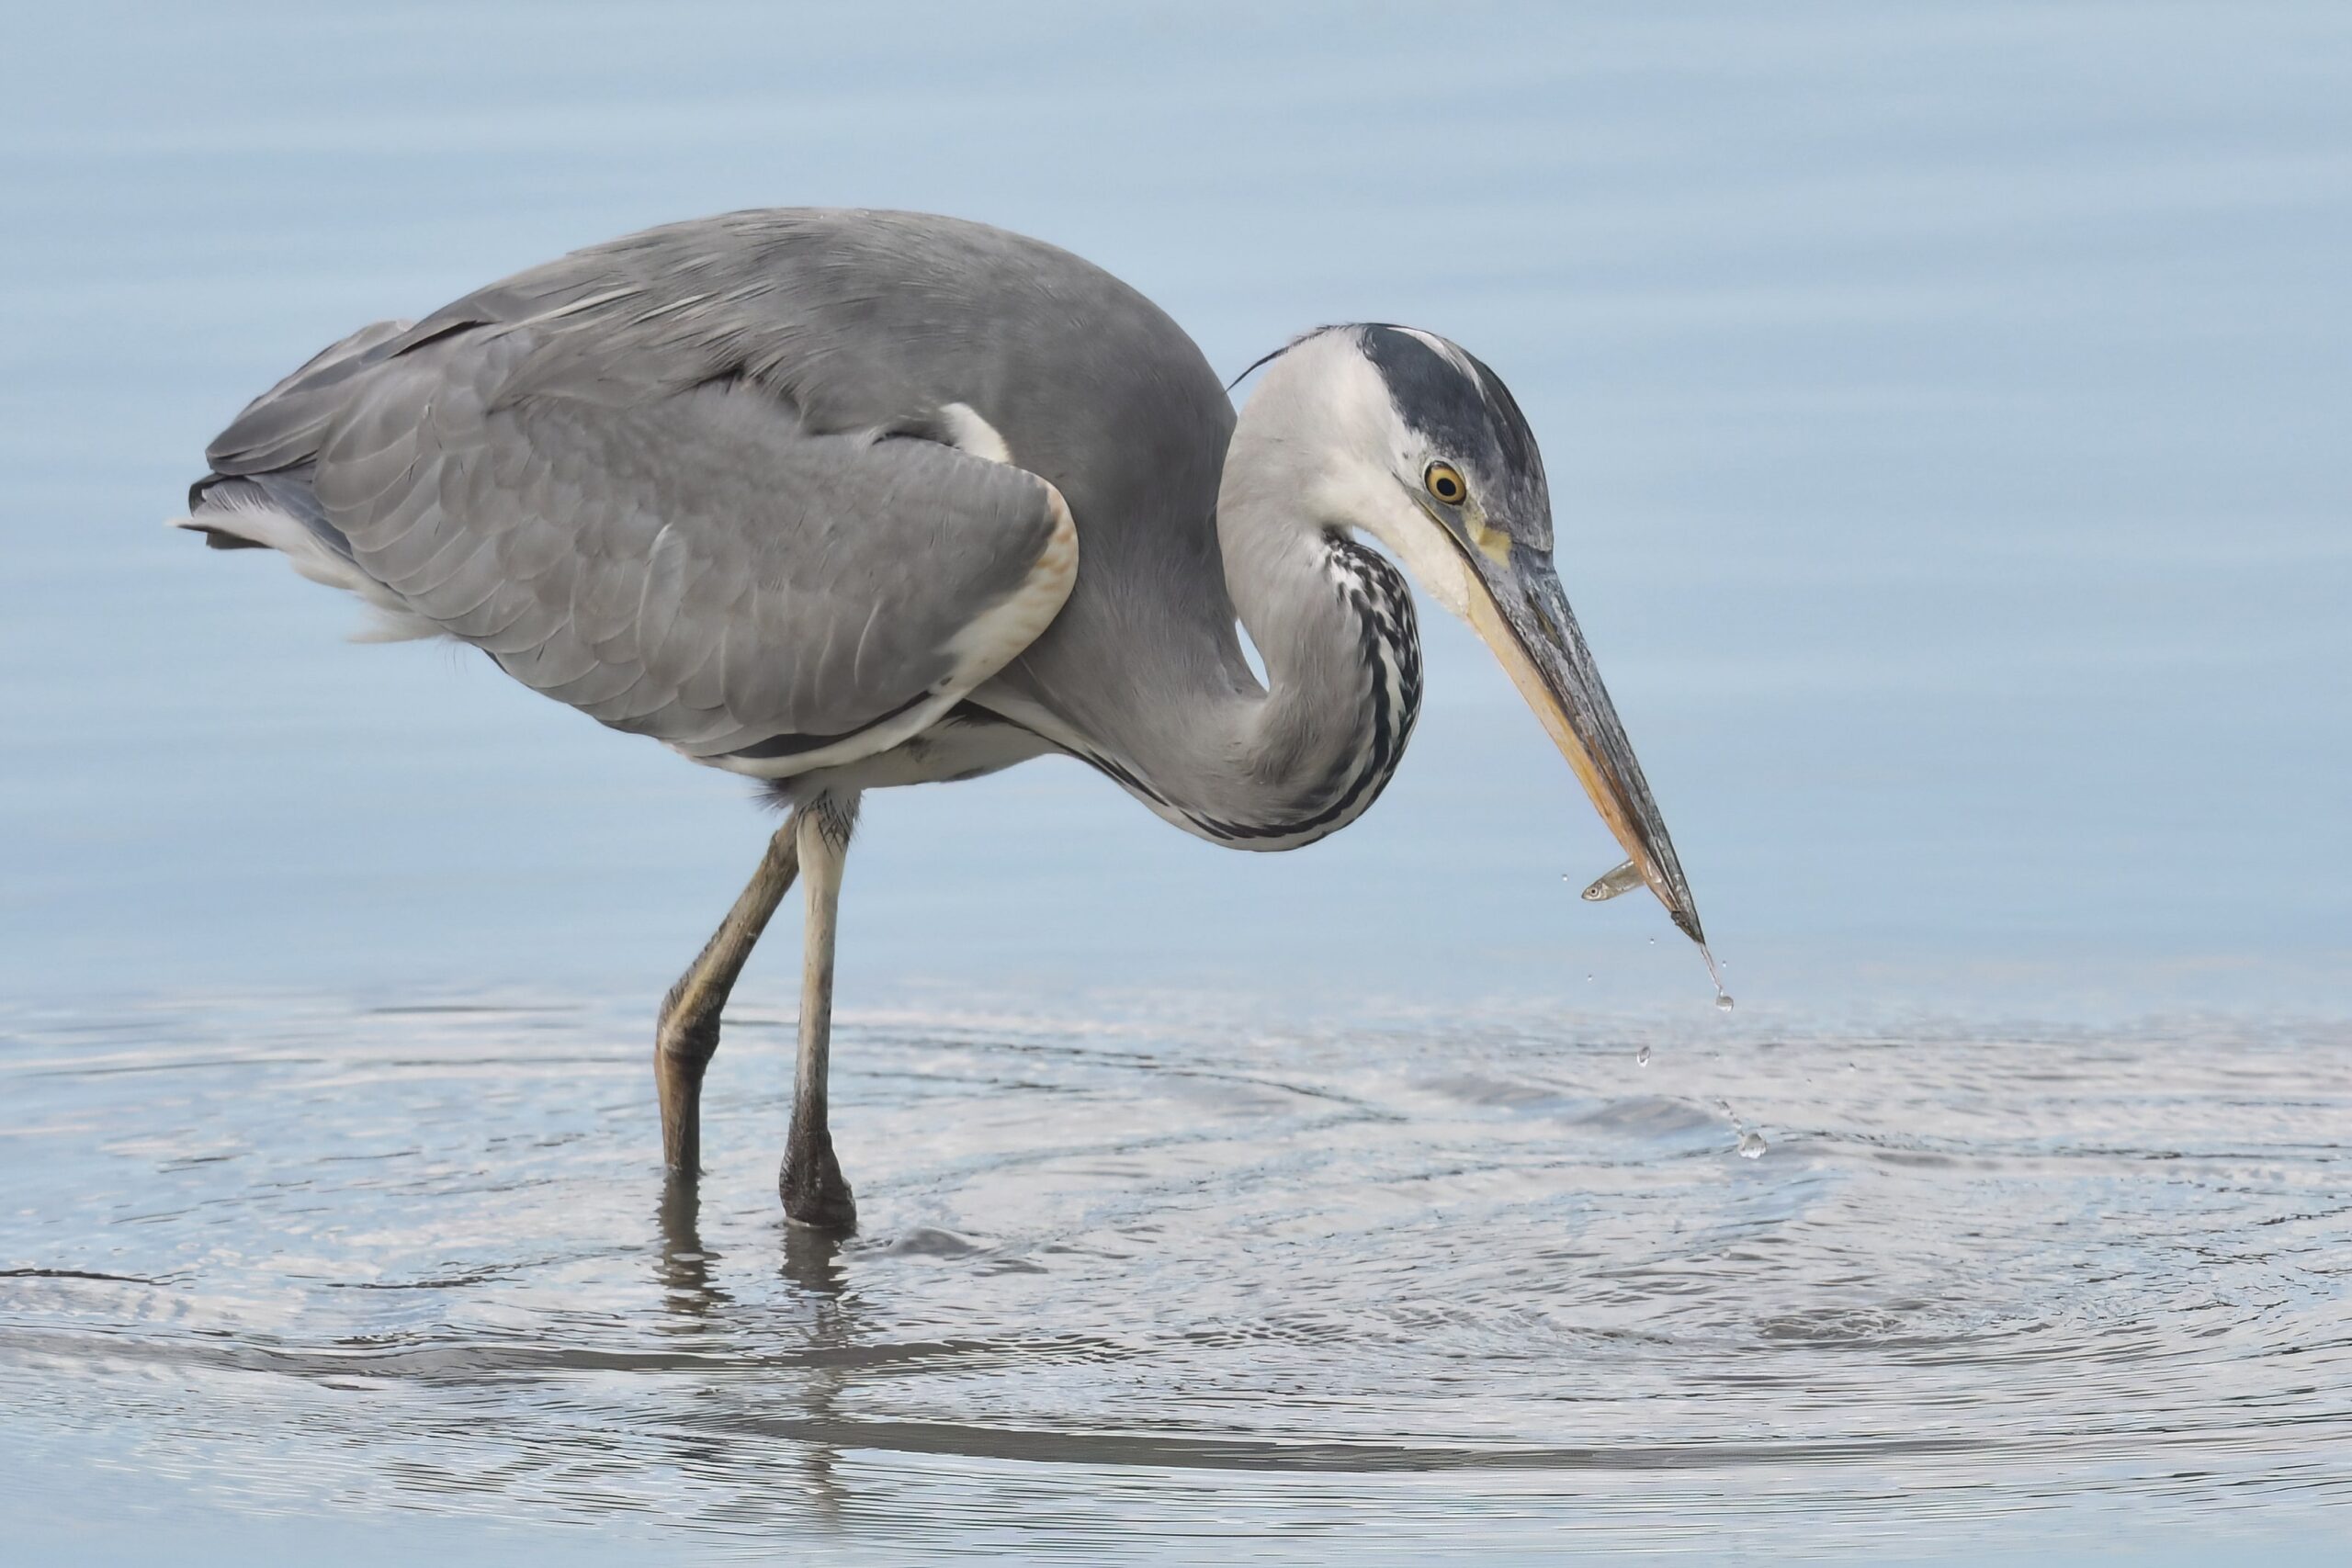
{"points": [[419, 1256]]}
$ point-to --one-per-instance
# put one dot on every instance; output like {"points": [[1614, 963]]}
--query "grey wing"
{"points": [[697, 566], [853, 321]]}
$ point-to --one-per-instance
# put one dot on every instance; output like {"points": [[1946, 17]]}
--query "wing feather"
{"points": [[689, 562]]}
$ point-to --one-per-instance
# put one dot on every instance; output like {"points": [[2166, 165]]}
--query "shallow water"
{"points": [[1131, 1282]]}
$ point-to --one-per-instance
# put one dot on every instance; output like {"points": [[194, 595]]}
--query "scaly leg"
{"points": [[814, 1192], [688, 1032]]}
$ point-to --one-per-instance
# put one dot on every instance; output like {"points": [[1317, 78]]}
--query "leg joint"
{"points": [[690, 1041]]}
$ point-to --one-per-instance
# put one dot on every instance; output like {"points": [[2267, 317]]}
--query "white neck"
{"points": [[1332, 621]]}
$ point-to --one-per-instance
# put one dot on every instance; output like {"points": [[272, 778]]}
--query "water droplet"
{"points": [[1716, 973], [1610, 883], [1653, 941], [1752, 1146], [1642, 1057], [1587, 979]]}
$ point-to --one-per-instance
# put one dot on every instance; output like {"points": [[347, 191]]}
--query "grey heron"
{"points": [[842, 500]]}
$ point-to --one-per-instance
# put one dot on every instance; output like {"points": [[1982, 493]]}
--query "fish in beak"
{"points": [[1518, 606], [1460, 450]]}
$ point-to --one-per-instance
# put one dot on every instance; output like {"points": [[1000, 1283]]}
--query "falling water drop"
{"points": [[1642, 1057], [1752, 1146], [1716, 973]]}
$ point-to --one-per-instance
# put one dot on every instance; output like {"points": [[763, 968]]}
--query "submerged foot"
{"points": [[681, 1050], [815, 1194]]}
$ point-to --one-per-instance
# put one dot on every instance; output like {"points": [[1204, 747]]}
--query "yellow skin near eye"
{"points": [[1444, 481]]}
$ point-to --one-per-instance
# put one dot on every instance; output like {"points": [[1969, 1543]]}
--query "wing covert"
{"points": [[697, 566]]}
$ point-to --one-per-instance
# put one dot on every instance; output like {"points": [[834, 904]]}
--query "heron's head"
{"points": [[1418, 443]]}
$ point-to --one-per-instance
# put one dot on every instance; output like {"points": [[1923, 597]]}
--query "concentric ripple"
{"points": [[1132, 1279]]}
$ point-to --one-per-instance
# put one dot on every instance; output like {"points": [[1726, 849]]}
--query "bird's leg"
{"points": [[814, 1192], [688, 1032]]}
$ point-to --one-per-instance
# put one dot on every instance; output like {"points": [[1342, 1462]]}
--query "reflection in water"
{"points": [[685, 1265], [810, 1263], [1124, 1275], [813, 1260]]}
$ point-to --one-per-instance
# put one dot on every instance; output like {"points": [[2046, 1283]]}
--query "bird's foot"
{"points": [[815, 1194]]}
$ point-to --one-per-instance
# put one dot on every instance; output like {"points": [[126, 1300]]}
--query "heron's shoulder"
{"points": [[864, 270], [852, 319], [854, 280], [864, 317]]}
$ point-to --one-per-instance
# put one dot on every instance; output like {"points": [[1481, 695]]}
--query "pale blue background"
{"points": [[1947, 409]]}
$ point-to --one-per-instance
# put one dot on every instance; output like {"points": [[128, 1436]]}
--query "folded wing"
{"points": [[690, 563]]}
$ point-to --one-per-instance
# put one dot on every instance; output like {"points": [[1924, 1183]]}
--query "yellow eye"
{"points": [[1444, 481]]}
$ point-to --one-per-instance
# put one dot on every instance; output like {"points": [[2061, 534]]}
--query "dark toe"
{"points": [[815, 1194]]}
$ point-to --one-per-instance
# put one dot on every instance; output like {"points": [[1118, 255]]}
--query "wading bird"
{"points": [[841, 499]]}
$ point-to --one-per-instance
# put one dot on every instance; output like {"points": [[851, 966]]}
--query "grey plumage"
{"points": [[768, 388], [766, 385], [752, 599], [849, 499]]}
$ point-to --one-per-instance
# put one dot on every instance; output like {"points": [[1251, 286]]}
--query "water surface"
{"points": [[1130, 1282]]}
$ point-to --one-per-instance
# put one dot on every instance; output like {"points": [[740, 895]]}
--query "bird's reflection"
{"points": [[685, 1264], [813, 1260], [742, 1334]]}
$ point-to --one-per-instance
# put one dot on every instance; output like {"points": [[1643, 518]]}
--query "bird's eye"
{"points": [[1444, 481]]}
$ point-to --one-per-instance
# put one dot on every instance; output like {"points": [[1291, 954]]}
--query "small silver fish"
{"points": [[1612, 883]]}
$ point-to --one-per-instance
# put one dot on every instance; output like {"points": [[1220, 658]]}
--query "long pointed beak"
{"points": [[1524, 617]]}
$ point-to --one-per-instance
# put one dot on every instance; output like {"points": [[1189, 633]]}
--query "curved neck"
{"points": [[1282, 766]]}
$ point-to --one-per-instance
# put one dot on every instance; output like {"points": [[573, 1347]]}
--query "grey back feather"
{"points": [[692, 480]]}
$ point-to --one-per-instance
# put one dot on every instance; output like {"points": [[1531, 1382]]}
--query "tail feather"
{"points": [[279, 511]]}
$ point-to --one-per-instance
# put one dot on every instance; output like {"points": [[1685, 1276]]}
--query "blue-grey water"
{"points": [[1946, 411]]}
